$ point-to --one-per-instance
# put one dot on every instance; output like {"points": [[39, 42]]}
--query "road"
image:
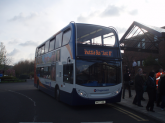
{"points": [[22, 102]]}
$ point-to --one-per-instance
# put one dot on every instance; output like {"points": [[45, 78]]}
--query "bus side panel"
{"points": [[47, 85], [66, 97], [35, 74], [48, 90]]}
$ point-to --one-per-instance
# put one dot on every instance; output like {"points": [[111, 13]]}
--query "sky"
{"points": [[24, 24]]}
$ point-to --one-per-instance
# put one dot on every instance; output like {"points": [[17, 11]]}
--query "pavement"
{"points": [[158, 115]]}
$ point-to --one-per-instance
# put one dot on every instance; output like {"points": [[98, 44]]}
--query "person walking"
{"points": [[144, 85], [162, 91], [127, 83], [138, 88], [158, 76], [151, 90], [159, 94], [134, 64]]}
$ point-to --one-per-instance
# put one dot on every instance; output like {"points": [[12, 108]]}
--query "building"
{"points": [[143, 43]]}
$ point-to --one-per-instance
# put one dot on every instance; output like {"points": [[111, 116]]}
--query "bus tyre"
{"points": [[57, 94]]}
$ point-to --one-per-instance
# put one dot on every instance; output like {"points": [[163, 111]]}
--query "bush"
{"points": [[24, 77], [151, 61], [7, 77]]}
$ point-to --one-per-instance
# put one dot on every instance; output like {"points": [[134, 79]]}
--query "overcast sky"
{"points": [[24, 24]]}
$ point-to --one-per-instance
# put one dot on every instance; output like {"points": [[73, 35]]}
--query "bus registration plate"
{"points": [[100, 102]]}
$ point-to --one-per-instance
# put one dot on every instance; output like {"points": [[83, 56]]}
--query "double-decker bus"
{"points": [[80, 65]]}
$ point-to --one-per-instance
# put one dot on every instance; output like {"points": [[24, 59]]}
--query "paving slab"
{"points": [[157, 115]]}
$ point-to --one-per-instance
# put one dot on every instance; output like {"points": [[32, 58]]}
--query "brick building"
{"points": [[141, 42]]}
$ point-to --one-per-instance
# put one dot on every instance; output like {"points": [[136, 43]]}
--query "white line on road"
{"points": [[24, 96], [98, 122], [29, 99]]}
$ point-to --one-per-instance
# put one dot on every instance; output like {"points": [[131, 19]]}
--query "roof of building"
{"points": [[143, 38]]}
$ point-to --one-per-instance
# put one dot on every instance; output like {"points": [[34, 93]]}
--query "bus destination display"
{"points": [[97, 52], [86, 51]]}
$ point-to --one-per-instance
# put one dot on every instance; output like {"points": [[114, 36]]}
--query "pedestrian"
{"points": [[158, 74], [162, 91], [144, 85], [151, 90], [134, 64], [127, 83], [159, 95], [138, 87]]}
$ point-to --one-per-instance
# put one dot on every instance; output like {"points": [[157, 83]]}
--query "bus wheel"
{"points": [[57, 94]]}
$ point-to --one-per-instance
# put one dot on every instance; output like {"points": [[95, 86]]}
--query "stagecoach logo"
{"points": [[100, 90], [48, 83]]}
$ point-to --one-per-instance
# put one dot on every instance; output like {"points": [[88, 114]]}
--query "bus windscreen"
{"points": [[97, 73]]}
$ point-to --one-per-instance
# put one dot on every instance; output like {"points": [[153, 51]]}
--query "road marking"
{"points": [[136, 117], [24, 96], [34, 118], [36, 122], [99, 122]]}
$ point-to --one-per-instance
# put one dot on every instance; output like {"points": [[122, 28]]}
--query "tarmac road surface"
{"points": [[22, 102]]}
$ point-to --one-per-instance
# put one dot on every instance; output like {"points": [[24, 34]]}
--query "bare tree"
{"points": [[4, 59], [25, 67]]}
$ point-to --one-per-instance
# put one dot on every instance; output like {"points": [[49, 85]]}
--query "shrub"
{"points": [[7, 77]]}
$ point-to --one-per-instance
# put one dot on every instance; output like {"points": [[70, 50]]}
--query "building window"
{"points": [[156, 59], [142, 62], [138, 63], [139, 45], [156, 39], [143, 43]]}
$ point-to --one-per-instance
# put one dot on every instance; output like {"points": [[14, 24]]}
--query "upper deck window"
{"points": [[36, 52], [51, 47], [109, 39], [96, 35], [58, 40], [46, 46], [96, 41], [66, 37], [41, 50]]}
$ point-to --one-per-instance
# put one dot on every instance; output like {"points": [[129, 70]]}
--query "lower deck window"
{"points": [[68, 73], [48, 72]]}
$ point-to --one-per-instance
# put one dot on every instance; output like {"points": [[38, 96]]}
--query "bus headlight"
{"points": [[81, 93], [117, 91]]}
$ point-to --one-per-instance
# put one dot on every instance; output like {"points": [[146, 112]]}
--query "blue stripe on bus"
{"points": [[73, 39]]}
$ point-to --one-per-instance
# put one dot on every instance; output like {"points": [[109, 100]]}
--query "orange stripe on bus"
{"points": [[69, 49]]}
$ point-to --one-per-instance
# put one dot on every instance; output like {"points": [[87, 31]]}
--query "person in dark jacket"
{"points": [[151, 90], [162, 91], [126, 83], [138, 87]]}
